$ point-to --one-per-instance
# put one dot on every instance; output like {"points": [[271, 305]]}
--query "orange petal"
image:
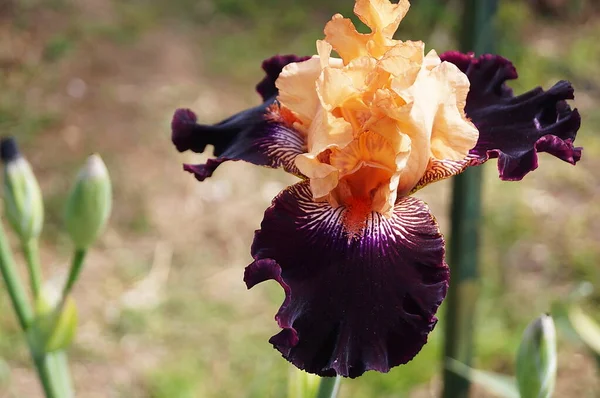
{"points": [[381, 15], [346, 41]]}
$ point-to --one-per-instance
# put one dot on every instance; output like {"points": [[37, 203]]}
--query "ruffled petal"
{"points": [[514, 129], [262, 135], [356, 300], [259, 136]]}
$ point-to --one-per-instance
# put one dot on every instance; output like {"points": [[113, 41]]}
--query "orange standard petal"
{"points": [[380, 118]]}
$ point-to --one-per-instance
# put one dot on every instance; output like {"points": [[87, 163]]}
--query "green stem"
{"points": [[42, 366], [464, 285], [13, 283], [477, 36], [59, 369], [329, 387], [76, 266], [32, 257], [22, 307]]}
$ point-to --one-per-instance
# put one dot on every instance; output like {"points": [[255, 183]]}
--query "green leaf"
{"points": [[54, 325], [587, 329], [65, 327], [4, 372], [501, 385]]}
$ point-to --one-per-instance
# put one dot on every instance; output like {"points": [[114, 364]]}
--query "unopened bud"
{"points": [[536, 359], [89, 203], [23, 204]]}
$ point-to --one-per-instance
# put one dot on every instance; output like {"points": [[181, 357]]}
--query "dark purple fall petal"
{"points": [[354, 302], [514, 129], [249, 135], [272, 67]]}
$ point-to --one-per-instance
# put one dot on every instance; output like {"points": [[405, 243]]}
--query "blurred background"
{"points": [[164, 312]]}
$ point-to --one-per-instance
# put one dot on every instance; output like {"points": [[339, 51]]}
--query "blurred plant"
{"points": [[50, 324], [536, 359], [535, 365], [476, 35], [302, 384], [305, 385], [575, 323]]}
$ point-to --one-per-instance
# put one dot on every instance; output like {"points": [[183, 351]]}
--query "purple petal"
{"points": [[514, 129], [272, 67], [259, 135], [355, 301], [251, 135]]}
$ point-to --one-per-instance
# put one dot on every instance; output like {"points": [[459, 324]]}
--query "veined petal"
{"points": [[263, 135], [441, 169], [355, 301], [254, 136], [514, 129]]}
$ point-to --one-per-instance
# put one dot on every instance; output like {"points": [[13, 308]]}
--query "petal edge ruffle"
{"points": [[261, 135], [353, 302], [251, 136], [515, 129]]}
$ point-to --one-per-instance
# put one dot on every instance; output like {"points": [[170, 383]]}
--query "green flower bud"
{"points": [[536, 359], [23, 204], [89, 203]]}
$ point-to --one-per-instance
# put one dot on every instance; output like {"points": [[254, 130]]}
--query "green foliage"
{"points": [[58, 47], [53, 328], [496, 383], [182, 381], [301, 384]]}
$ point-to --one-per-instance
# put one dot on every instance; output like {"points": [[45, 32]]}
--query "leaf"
{"points": [[54, 325], [587, 329], [501, 385]]}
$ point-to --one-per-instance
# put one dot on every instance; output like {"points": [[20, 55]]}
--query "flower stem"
{"points": [[329, 387], [22, 307], [76, 266], [59, 369], [477, 36], [13, 283], [32, 257], [42, 365]]}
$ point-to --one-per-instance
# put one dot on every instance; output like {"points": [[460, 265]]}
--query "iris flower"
{"points": [[360, 259]]}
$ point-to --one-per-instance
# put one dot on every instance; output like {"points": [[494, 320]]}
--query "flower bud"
{"points": [[23, 204], [89, 203], [536, 359]]}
